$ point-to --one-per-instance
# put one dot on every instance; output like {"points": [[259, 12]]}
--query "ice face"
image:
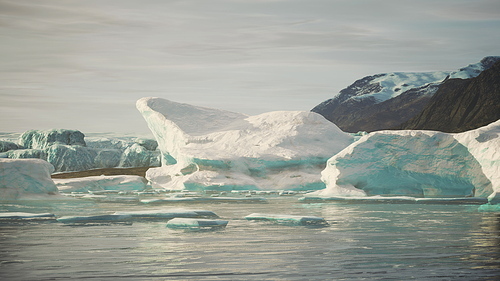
{"points": [[96, 183], [196, 224], [19, 177], [417, 163], [71, 157], [138, 156], [169, 214], [42, 139], [213, 149]]}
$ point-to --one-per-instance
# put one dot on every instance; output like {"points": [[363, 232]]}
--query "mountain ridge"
{"points": [[386, 100]]}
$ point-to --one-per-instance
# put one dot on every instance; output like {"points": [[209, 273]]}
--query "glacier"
{"points": [[417, 163], [210, 149], [21, 178]]}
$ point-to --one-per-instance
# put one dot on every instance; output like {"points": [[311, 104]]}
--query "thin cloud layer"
{"points": [[83, 64]]}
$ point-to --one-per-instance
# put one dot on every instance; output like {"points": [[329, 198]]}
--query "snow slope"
{"points": [[417, 163], [213, 149]]}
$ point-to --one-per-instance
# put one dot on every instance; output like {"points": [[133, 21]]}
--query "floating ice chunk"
{"points": [[97, 183], [288, 219], [417, 163], [169, 214], [20, 177], [44, 139], [7, 145], [397, 200], [206, 200], [111, 199], [489, 208], [26, 216], [210, 149], [196, 224], [94, 219], [453, 201]]}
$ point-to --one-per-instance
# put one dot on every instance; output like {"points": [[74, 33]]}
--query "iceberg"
{"points": [[94, 219], [196, 224], [43, 139], [377, 199], [417, 163], [205, 200], [97, 183], [107, 158], [27, 153], [288, 219], [7, 145], [210, 149], [168, 214], [25, 177], [66, 158], [137, 155], [26, 216], [68, 151]]}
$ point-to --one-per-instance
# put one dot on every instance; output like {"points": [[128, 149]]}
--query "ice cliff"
{"points": [[417, 163], [22, 177], [205, 148]]}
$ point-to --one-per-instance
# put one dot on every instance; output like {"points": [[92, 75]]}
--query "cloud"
{"points": [[92, 59]]}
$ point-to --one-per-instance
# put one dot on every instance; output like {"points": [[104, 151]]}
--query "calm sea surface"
{"points": [[363, 242]]}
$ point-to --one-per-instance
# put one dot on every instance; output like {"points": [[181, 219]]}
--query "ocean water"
{"points": [[363, 242]]}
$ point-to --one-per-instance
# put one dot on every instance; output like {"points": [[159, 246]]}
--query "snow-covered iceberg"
{"points": [[417, 163], [206, 148], [20, 178], [196, 224], [168, 214], [96, 183]]}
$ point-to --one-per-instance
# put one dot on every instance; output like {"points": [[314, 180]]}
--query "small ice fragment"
{"points": [[169, 214], [196, 224], [23, 216], [288, 219], [94, 219]]}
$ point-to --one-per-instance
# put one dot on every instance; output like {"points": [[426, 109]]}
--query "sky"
{"points": [[82, 64]]}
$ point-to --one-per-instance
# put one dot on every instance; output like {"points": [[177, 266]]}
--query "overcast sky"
{"points": [[82, 64]]}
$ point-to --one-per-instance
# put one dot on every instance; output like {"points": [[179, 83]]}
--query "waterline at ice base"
{"points": [[210, 149]]}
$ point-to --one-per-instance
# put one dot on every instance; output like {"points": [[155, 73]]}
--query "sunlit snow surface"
{"points": [[206, 148]]}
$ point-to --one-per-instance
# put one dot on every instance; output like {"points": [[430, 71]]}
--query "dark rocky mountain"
{"points": [[384, 101], [461, 104]]}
